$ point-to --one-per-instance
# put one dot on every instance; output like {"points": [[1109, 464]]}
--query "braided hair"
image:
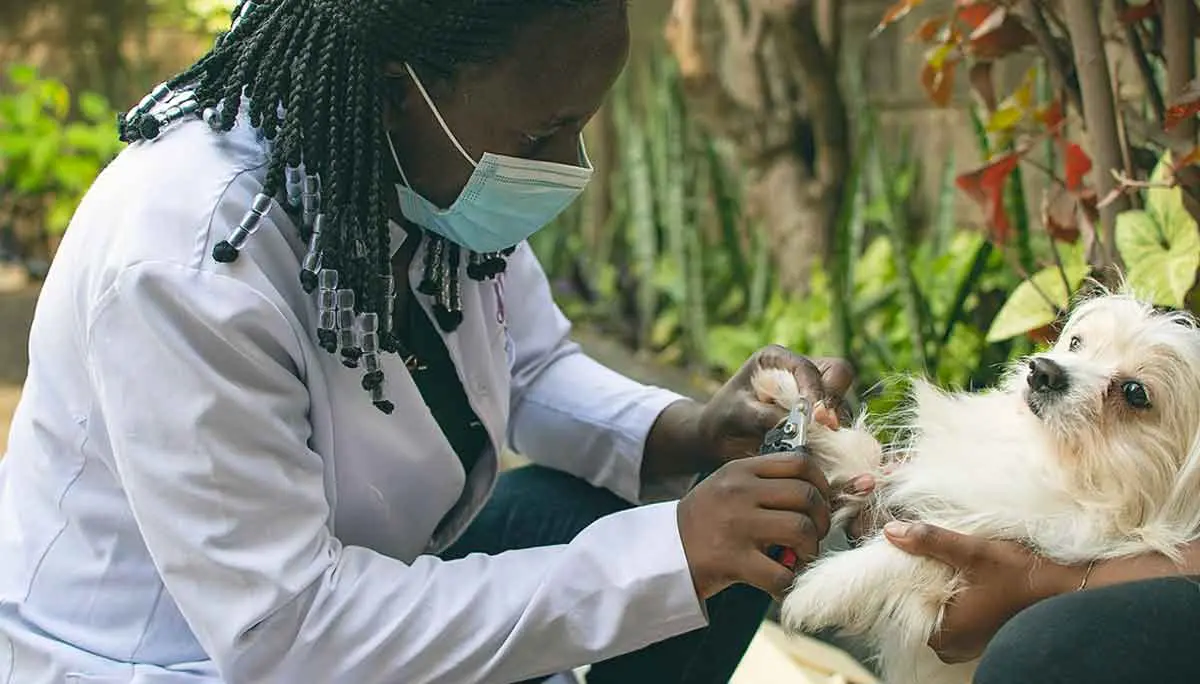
{"points": [[310, 74]]}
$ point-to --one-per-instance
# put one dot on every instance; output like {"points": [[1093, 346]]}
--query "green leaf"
{"points": [[95, 108], [22, 75], [1165, 205], [60, 214], [1160, 246], [1027, 308]]}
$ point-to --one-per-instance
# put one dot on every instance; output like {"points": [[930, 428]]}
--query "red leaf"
{"points": [[1183, 106], [1077, 164], [927, 32], [980, 76], [1188, 159], [986, 186], [937, 77], [895, 13], [1051, 115], [1000, 34], [975, 13], [1046, 334], [1136, 13], [1060, 216]]}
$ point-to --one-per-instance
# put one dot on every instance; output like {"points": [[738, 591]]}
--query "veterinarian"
{"points": [[1126, 620], [283, 342]]}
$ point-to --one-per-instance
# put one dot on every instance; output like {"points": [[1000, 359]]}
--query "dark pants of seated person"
{"points": [[535, 506], [1142, 632]]}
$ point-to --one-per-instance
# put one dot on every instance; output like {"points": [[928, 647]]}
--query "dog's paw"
{"points": [[808, 606], [775, 386], [845, 454]]}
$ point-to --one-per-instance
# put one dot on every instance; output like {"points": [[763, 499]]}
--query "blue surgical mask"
{"points": [[506, 200]]}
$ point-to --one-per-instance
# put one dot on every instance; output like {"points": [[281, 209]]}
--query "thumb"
{"points": [[953, 549]]}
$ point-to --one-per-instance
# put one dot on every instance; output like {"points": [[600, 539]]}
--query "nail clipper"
{"points": [[790, 435]]}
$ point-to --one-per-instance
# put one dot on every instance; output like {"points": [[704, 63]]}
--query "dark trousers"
{"points": [[535, 506], [1146, 631]]}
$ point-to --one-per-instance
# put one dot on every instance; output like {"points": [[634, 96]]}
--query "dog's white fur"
{"points": [[1087, 477]]}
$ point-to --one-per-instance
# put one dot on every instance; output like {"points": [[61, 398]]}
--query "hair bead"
{"points": [[368, 325], [448, 306], [149, 125], [378, 399], [327, 309], [310, 200], [294, 187], [370, 362], [160, 93], [243, 10], [227, 250], [388, 283], [431, 279], [212, 117], [345, 328], [312, 259], [475, 266]]}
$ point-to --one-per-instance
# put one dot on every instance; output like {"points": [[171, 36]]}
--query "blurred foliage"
{"points": [[52, 146], [1156, 247], [662, 254], [205, 18], [680, 273]]}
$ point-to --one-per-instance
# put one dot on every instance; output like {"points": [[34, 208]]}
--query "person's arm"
{"points": [[199, 379], [573, 414], [1003, 578], [1134, 568]]}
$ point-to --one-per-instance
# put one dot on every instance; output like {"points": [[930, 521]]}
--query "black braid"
{"points": [[312, 72]]}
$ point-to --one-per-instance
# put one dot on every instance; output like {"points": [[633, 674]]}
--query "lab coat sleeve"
{"points": [[199, 381], [569, 412]]}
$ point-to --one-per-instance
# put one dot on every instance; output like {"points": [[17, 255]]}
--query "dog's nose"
{"points": [[1046, 375]]}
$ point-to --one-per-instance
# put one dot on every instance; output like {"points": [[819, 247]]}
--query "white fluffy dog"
{"points": [[1088, 451]]}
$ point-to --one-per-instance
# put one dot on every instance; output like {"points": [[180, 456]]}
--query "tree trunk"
{"points": [[1100, 116], [758, 74]]}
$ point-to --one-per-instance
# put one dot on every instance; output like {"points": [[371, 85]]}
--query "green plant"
{"points": [[1091, 227], [1159, 245], [51, 147], [680, 272]]}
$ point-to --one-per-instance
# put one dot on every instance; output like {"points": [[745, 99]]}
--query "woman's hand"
{"points": [[1002, 579], [689, 438], [731, 519], [733, 423]]}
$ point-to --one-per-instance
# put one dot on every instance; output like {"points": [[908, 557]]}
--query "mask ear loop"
{"points": [[442, 257], [439, 278], [396, 158], [437, 114]]}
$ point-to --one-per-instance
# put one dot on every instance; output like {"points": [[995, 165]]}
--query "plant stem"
{"points": [[1179, 49], [898, 232], [1101, 115], [1060, 67], [1134, 40], [966, 286]]}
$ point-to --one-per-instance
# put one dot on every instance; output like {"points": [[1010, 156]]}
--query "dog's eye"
{"points": [[1075, 343], [1135, 394]]}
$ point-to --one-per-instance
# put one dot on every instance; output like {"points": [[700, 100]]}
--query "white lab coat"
{"points": [[194, 492]]}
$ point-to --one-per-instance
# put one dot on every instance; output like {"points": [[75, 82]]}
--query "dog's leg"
{"points": [[903, 663], [875, 589], [843, 455]]}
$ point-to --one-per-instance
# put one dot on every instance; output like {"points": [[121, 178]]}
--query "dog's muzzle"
{"points": [[1047, 380]]}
